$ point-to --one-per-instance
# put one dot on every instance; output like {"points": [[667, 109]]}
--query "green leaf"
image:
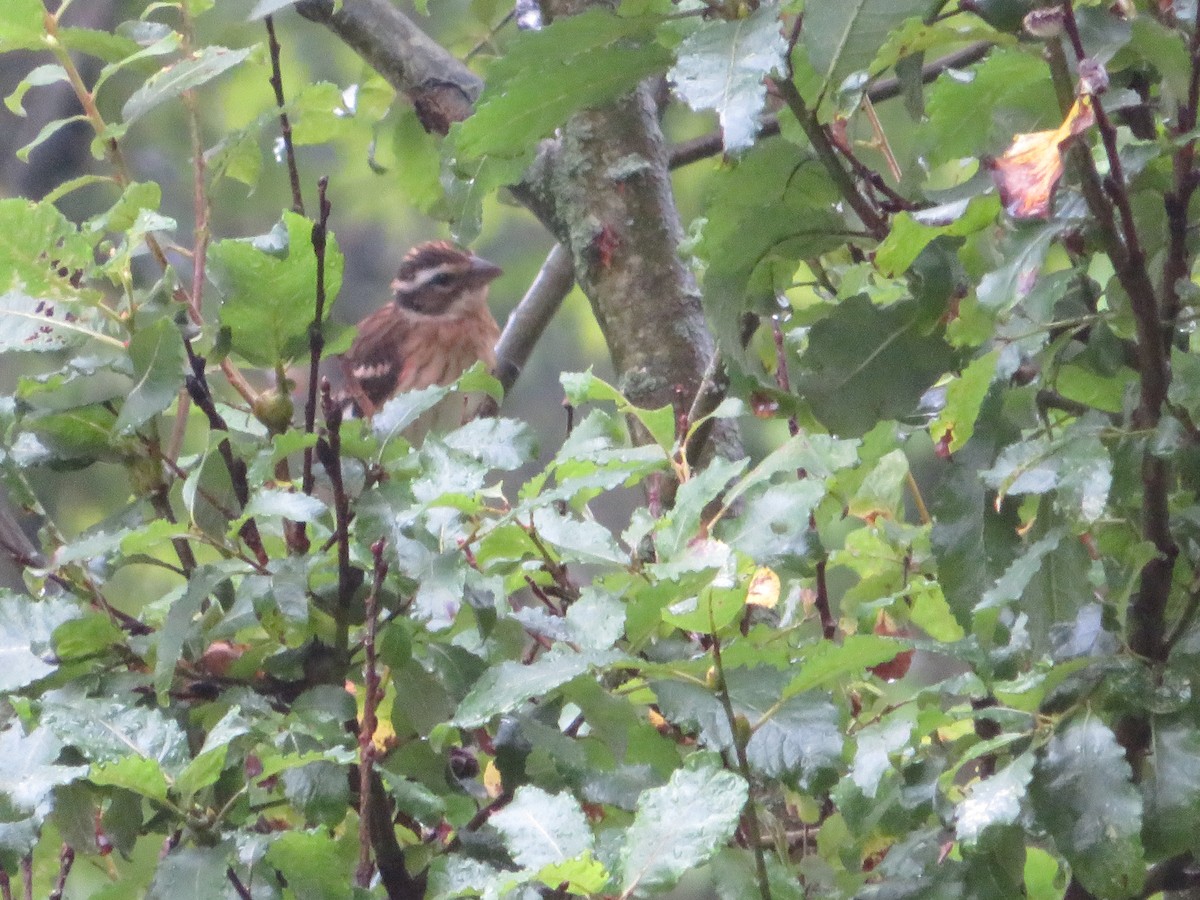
{"points": [[106, 731], [1075, 463], [826, 662], [27, 780], [26, 626], [276, 503], [311, 864], [1084, 798], [191, 872], [723, 66], [547, 75], [997, 800], [876, 743], [269, 288], [50, 73], [158, 359], [108, 46], [1172, 790], [844, 37], [21, 25], [753, 249], [169, 83], [864, 364], [582, 387], [120, 217], [541, 829], [505, 687], [504, 444], [1006, 93], [138, 774], [578, 540], [181, 624], [681, 825], [964, 397], [913, 232], [39, 250]]}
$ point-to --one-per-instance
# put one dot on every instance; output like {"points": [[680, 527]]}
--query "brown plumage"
{"points": [[436, 326]]}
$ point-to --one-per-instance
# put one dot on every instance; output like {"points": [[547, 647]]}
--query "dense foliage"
{"points": [[939, 641]]}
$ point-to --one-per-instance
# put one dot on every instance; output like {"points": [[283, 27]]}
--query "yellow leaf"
{"points": [[764, 588]]}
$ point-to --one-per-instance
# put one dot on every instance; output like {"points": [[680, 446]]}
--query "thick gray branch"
{"points": [[604, 190], [442, 89]]}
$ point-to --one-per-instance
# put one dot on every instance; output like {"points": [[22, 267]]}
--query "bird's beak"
{"points": [[483, 270]]}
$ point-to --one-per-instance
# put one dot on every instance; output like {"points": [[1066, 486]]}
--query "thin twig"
{"points": [[285, 125], [66, 859], [197, 385], [366, 733], [743, 763], [329, 452], [316, 337], [239, 888]]}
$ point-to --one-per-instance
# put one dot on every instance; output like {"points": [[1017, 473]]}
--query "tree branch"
{"points": [[530, 317], [441, 88]]}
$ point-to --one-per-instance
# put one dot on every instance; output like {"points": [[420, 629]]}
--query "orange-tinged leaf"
{"points": [[764, 588], [1029, 170]]}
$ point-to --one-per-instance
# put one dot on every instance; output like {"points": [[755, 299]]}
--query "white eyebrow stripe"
{"points": [[423, 277]]}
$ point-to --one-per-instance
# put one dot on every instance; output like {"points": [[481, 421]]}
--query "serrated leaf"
{"points": [[503, 444], [996, 800], [138, 774], [269, 287], [505, 687], [1084, 797], [681, 825], [191, 872], [26, 627], [753, 250], [312, 865], [541, 829], [913, 232], [826, 662], [169, 83], [844, 37], [21, 25], [39, 250], [158, 359], [27, 779], [578, 540], [106, 731], [879, 357], [547, 75], [723, 66]]}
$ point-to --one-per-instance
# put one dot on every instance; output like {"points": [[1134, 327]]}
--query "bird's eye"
{"points": [[441, 279]]}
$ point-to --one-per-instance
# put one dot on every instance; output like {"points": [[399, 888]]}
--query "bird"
{"points": [[436, 326]]}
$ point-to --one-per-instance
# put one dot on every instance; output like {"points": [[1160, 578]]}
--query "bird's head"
{"points": [[437, 278]]}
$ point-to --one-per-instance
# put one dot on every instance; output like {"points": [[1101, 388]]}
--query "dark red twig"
{"points": [[316, 338], [285, 125], [66, 859]]}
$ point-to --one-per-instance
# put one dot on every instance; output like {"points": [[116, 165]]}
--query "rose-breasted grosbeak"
{"points": [[435, 328]]}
